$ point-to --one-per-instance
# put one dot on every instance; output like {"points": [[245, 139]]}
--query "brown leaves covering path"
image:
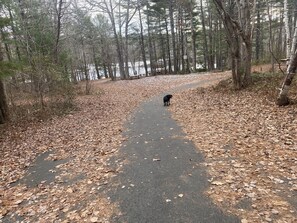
{"points": [[86, 139], [250, 146]]}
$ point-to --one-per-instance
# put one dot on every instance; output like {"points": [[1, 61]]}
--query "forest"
{"points": [[47, 47]]}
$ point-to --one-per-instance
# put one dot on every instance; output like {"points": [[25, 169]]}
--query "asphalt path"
{"points": [[163, 179]]}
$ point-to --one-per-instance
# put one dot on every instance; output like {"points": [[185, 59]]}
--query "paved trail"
{"points": [[163, 180]]}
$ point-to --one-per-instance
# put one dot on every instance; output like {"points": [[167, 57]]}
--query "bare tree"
{"points": [[128, 18], [108, 6], [105, 35], [239, 38]]}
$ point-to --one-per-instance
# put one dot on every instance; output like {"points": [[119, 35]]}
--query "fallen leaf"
{"points": [[218, 183], [94, 219]]}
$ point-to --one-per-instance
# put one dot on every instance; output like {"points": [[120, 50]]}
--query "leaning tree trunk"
{"points": [[283, 98]]}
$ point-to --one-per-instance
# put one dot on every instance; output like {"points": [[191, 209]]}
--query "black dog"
{"points": [[166, 99]]}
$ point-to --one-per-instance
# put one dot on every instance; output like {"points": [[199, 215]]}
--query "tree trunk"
{"points": [[105, 70], [181, 49], [294, 42], [163, 50], [155, 50], [142, 42], [246, 38], [287, 29], [117, 38], [4, 113], [7, 51], [175, 59], [151, 50], [236, 65], [205, 45], [210, 58], [58, 31], [126, 47], [110, 72], [193, 36], [73, 73], [168, 47], [258, 35], [283, 99], [14, 35], [270, 44], [86, 72], [96, 64], [247, 63], [239, 34]]}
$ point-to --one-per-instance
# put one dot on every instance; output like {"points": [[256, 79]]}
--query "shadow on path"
{"points": [[163, 180]]}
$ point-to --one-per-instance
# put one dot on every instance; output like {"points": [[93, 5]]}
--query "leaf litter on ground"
{"points": [[86, 139], [249, 144]]}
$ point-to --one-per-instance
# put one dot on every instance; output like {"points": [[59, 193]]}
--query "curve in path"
{"points": [[163, 180]]}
